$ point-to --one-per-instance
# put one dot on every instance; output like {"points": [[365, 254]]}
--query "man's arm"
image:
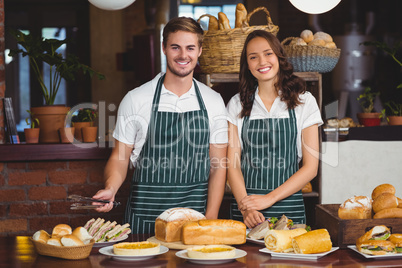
{"points": [[115, 174], [217, 179]]}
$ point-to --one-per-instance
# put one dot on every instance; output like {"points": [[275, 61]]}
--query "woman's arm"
{"points": [[310, 150]]}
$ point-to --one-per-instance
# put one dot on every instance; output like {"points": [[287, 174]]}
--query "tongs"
{"points": [[79, 198]]}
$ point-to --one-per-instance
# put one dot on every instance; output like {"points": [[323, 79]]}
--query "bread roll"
{"points": [[213, 24], [379, 232], [211, 252], [383, 201], [316, 241], [330, 45], [356, 207], [41, 236], [298, 42], [307, 36], [376, 247], [382, 188], [399, 202], [71, 241], [323, 36], [223, 21], [317, 42], [388, 213], [168, 225], [82, 234], [241, 16], [136, 248], [55, 241], [61, 229], [308, 188], [214, 232], [281, 240]]}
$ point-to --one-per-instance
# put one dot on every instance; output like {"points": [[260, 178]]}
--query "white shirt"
{"points": [[307, 113], [135, 112]]}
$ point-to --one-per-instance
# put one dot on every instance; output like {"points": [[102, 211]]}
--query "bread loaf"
{"points": [[168, 225], [383, 201], [382, 188], [241, 16], [214, 232], [399, 202], [316, 241], [356, 207], [388, 213], [308, 188]]}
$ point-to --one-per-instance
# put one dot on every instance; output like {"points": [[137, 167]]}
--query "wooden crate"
{"points": [[346, 232]]}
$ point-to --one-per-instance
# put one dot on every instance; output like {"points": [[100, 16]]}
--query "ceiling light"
{"points": [[111, 4], [315, 6]]}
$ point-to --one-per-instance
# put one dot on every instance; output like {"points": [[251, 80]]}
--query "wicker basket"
{"points": [[69, 253], [221, 49], [311, 58]]}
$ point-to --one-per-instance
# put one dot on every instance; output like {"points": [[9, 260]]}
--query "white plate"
{"points": [[108, 251], [298, 256], [104, 244], [183, 254], [390, 256]]}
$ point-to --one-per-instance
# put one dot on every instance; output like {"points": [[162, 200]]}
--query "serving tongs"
{"points": [[79, 198]]}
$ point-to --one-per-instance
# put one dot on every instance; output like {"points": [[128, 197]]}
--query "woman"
{"points": [[273, 122]]}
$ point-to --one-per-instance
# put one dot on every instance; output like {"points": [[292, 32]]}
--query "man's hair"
{"points": [[183, 24]]}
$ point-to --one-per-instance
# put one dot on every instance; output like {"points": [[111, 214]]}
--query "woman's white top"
{"points": [[307, 113], [135, 112]]}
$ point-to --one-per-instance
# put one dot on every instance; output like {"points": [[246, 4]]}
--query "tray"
{"points": [[346, 232]]}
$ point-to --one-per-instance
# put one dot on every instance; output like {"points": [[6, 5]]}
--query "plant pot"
{"points": [[66, 134], [31, 135], [394, 120], [369, 119], [89, 134], [51, 119], [78, 126]]}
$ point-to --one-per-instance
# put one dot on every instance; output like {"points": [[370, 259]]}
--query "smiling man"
{"points": [[174, 130]]}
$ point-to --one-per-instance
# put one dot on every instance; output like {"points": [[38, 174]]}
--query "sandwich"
{"points": [[284, 223], [118, 232], [376, 247], [396, 239], [103, 231], [379, 232], [95, 226]]}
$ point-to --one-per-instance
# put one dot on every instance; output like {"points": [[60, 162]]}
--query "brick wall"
{"points": [[33, 195], [2, 72]]}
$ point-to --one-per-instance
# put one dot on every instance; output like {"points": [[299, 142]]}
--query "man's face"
{"points": [[182, 52]]}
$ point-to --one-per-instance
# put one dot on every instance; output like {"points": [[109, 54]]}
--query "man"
{"points": [[174, 130]]}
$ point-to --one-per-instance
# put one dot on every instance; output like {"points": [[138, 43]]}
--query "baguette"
{"points": [[379, 232], [316, 241], [388, 213], [241, 16], [213, 24], [214, 232], [223, 21], [281, 240]]}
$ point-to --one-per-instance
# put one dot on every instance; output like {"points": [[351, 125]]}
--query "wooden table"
{"points": [[19, 252]]}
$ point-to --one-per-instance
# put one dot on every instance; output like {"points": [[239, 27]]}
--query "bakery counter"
{"points": [[18, 251]]}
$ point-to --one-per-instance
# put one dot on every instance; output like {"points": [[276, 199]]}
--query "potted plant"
{"points": [[41, 50], [394, 107], [31, 133], [368, 118], [83, 122]]}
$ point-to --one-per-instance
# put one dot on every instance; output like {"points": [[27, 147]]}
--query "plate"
{"points": [[391, 256], [298, 256], [104, 244], [183, 254], [108, 251]]}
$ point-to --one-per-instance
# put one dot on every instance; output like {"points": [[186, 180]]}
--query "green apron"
{"points": [[173, 167], [268, 159]]}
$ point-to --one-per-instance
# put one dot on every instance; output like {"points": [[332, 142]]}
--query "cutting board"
{"points": [[171, 245]]}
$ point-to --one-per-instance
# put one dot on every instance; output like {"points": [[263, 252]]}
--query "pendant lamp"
{"points": [[314, 6], [111, 4]]}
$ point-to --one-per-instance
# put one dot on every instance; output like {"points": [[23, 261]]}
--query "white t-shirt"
{"points": [[135, 112], [307, 113]]}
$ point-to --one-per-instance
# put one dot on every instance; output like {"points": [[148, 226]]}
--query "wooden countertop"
{"points": [[19, 252]]}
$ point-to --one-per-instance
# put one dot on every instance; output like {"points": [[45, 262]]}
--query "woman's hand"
{"points": [[104, 195], [254, 202], [252, 218]]}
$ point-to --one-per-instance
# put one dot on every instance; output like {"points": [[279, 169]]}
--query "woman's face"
{"points": [[262, 61]]}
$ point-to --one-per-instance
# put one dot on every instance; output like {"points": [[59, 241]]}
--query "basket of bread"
{"points": [[64, 242], [222, 45], [312, 52]]}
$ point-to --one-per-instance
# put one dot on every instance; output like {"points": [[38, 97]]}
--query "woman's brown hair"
{"points": [[289, 84]]}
